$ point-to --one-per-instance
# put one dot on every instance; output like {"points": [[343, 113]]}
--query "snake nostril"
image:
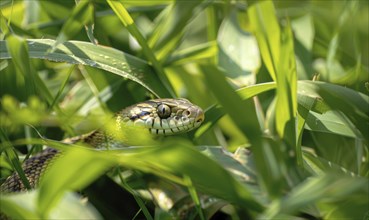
{"points": [[199, 120]]}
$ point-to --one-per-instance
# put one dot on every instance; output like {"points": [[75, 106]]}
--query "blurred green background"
{"points": [[284, 85]]}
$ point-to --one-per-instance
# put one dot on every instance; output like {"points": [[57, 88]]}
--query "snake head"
{"points": [[163, 116]]}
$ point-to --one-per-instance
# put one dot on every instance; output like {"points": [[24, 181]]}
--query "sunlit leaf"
{"points": [[276, 43], [238, 52], [343, 99], [105, 58], [232, 102], [177, 158], [214, 113], [268, 34], [321, 188], [54, 183]]}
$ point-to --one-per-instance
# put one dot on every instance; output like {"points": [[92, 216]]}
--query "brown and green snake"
{"points": [[158, 116]]}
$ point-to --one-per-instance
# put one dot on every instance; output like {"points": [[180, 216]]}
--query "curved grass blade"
{"points": [[174, 159], [317, 189], [268, 34], [232, 102], [215, 112], [87, 166], [331, 122], [318, 165], [109, 59], [275, 43], [353, 104]]}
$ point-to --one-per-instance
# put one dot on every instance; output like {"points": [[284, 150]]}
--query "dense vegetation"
{"points": [[284, 84]]}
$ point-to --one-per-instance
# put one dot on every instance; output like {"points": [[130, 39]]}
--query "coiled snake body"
{"points": [[159, 116]]}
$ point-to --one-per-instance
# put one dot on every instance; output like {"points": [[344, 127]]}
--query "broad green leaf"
{"points": [[276, 43], [331, 122], [18, 206], [354, 105], [325, 188], [253, 90], [353, 206], [23, 206], [215, 112], [318, 166], [105, 58], [238, 51], [232, 103], [303, 30], [286, 104], [175, 159], [232, 162], [310, 102], [61, 176], [268, 34]]}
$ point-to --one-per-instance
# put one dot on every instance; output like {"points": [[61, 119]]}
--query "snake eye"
{"points": [[163, 111]]}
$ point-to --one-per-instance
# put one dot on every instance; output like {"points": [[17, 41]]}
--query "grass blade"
{"points": [[232, 103], [105, 58]]}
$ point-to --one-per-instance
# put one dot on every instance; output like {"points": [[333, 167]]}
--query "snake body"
{"points": [[158, 116]]}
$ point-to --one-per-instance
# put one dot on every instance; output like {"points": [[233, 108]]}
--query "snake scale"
{"points": [[158, 116]]}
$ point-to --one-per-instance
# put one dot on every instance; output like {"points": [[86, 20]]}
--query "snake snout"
{"points": [[199, 118]]}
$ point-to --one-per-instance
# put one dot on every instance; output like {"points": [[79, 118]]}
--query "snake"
{"points": [[160, 117]]}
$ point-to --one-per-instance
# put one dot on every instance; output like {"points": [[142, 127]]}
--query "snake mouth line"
{"points": [[171, 131], [189, 120], [164, 116]]}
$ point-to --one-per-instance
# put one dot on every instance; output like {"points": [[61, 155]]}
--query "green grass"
{"points": [[284, 80]]}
